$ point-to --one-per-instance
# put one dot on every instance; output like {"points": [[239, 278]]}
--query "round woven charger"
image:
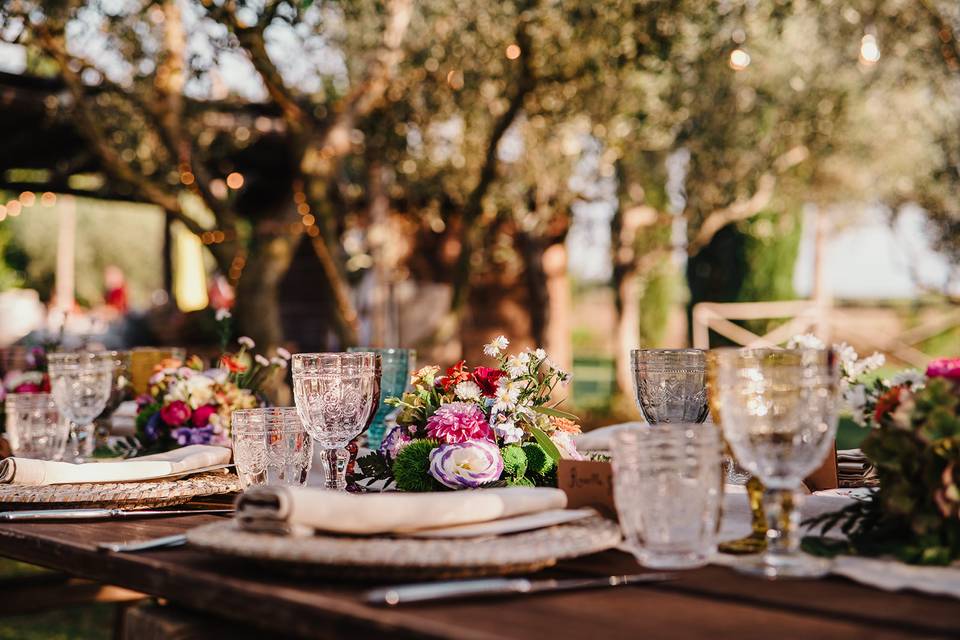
{"points": [[118, 495], [365, 558]]}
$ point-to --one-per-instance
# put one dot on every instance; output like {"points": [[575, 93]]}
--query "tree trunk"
{"points": [[557, 337], [627, 296], [258, 306]]}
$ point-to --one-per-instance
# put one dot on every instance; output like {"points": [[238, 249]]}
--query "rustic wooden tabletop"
{"points": [[712, 601]]}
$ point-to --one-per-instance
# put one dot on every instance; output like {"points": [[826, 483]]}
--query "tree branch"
{"points": [[745, 208]]}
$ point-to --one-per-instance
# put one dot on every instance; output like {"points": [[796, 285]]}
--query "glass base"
{"points": [[753, 544], [774, 566], [672, 560]]}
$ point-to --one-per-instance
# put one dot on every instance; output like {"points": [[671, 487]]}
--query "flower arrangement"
{"points": [[187, 403], [915, 514], [477, 427], [33, 379]]}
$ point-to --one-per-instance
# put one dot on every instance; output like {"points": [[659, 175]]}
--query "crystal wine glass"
{"points": [[80, 384], [397, 365], [336, 396], [669, 384], [778, 412]]}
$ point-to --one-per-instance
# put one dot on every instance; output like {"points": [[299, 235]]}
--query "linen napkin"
{"points": [[855, 470], [27, 471], [305, 510]]}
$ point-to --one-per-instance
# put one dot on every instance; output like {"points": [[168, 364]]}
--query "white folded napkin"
{"points": [[298, 509], [27, 471], [601, 439]]}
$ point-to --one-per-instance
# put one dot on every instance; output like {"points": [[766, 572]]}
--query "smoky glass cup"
{"points": [[670, 384], [397, 364], [271, 447], [668, 490], [337, 395], [35, 427]]}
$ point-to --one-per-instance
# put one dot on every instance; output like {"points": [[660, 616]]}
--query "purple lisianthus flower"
{"points": [[153, 427], [394, 442], [466, 465], [193, 435]]}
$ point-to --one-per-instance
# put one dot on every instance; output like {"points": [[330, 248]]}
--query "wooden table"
{"points": [[712, 601]]}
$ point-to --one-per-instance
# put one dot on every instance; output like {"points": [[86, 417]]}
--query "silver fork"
{"points": [[165, 542]]}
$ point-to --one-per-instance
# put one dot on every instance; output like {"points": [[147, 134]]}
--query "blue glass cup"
{"points": [[397, 364]]}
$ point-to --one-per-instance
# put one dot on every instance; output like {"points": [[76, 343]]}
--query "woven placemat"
{"points": [[118, 495], [377, 558]]}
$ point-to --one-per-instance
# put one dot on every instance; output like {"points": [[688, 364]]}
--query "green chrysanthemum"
{"points": [[538, 462], [514, 462], [411, 469], [520, 482]]}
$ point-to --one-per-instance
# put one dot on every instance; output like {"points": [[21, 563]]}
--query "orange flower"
{"points": [[232, 364], [886, 403], [565, 425]]}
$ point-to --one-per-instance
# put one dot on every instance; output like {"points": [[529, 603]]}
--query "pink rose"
{"points": [[176, 413], [944, 368], [458, 422], [201, 415]]}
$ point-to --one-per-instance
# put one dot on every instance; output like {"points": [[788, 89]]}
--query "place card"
{"points": [[587, 483]]}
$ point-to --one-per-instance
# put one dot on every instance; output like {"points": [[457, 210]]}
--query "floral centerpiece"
{"points": [[477, 426], [915, 446], [187, 403], [31, 379]]}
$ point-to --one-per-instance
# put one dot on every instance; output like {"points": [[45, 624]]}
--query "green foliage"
{"points": [[411, 469], [914, 514], [520, 482], [545, 442], [514, 461], [10, 265], [373, 466]]}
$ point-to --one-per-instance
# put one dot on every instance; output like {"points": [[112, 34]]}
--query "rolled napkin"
{"points": [[27, 471], [854, 469], [305, 510]]}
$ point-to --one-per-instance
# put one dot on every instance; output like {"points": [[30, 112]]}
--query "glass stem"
{"points": [[782, 509], [758, 520], [336, 468]]}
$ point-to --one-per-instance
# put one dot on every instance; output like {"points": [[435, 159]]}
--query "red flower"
{"points": [[487, 378], [944, 368], [232, 364], [887, 403], [201, 415], [176, 413], [455, 375]]}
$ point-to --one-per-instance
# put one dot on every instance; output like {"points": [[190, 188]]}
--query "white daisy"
{"points": [[515, 367], [912, 377], [496, 346], [223, 314], [246, 341], [260, 360], [280, 362], [805, 341], [283, 353], [508, 431]]}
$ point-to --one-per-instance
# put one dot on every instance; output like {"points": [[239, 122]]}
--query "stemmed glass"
{"points": [[778, 412], [397, 365], [336, 396], [669, 384], [80, 384]]}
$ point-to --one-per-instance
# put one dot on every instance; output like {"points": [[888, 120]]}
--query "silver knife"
{"points": [[176, 540], [98, 514], [431, 591]]}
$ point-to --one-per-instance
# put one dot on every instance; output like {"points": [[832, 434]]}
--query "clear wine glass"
{"points": [[669, 384], [778, 412], [80, 384], [337, 395]]}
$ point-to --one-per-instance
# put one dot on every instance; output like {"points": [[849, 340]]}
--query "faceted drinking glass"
{"points": [[778, 412], [80, 384], [271, 447], [669, 384], [668, 490], [397, 365], [34, 426], [337, 395]]}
